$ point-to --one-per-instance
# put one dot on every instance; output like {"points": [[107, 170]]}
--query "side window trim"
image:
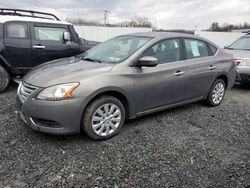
{"points": [[27, 31]]}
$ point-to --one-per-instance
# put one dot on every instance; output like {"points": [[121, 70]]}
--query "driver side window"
{"points": [[165, 51], [49, 33]]}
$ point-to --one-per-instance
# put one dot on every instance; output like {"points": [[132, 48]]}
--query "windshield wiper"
{"points": [[91, 59], [229, 48]]}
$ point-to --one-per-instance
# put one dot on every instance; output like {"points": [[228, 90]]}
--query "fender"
{"points": [[129, 99], [222, 73]]}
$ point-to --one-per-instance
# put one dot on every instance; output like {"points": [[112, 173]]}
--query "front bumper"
{"points": [[53, 117], [243, 74]]}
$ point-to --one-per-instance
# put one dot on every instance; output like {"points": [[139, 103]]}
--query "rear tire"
{"points": [[216, 93], [103, 118], [4, 79]]}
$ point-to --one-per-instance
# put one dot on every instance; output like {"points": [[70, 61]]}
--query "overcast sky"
{"points": [[170, 14]]}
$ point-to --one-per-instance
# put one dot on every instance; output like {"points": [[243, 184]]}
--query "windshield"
{"points": [[116, 49], [242, 43]]}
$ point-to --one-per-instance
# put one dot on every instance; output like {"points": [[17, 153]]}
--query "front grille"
{"points": [[46, 123], [25, 90]]}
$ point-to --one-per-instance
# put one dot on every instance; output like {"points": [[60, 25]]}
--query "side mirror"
{"points": [[226, 47], [66, 36], [83, 41], [148, 61]]}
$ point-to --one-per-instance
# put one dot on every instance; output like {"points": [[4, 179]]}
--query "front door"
{"points": [[164, 84], [48, 43]]}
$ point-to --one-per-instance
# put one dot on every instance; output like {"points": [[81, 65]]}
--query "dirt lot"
{"points": [[190, 146]]}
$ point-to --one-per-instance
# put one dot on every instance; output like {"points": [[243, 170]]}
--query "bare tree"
{"points": [[141, 21]]}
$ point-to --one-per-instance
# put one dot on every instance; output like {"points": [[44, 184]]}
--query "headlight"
{"points": [[244, 62], [58, 92]]}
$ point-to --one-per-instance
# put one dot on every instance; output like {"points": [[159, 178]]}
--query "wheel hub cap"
{"points": [[106, 119], [218, 93]]}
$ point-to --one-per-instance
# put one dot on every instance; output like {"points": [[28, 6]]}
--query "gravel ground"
{"points": [[189, 146]]}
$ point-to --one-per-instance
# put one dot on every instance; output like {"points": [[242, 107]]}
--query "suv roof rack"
{"points": [[31, 13]]}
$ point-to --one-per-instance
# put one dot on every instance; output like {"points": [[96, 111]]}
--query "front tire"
{"points": [[103, 118], [216, 93], [4, 79]]}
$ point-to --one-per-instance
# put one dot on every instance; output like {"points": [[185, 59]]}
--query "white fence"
{"points": [[101, 34], [220, 38]]}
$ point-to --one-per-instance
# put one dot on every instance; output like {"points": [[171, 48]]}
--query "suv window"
{"points": [[49, 33], [196, 48], [16, 30], [165, 51]]}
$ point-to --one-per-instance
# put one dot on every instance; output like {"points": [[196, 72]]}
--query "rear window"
{"points": [[196, 48], [16, 30], [213, 49]]}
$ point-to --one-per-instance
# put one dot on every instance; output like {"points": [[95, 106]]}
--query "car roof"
{"points": [[6, 18], [162, 34]]}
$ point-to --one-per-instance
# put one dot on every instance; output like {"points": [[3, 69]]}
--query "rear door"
{"points": [[17, 44], [48, 43], [202, 67], [164, 84]]}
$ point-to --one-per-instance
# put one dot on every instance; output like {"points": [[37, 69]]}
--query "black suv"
{"points": [[30, 38]]}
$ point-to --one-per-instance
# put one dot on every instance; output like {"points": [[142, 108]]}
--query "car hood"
{"points": [[64, 71], [239, 54]]}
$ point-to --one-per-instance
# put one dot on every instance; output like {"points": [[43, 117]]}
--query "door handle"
{"points": [[178, 73], [212, 67], [38, 46]]}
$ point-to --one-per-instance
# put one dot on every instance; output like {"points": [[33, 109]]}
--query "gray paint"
{"points": [[147, 89]]}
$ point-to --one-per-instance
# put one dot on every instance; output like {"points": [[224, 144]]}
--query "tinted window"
{"points": [[49, 33], [165, 51], [196, 48], [17, 30]]}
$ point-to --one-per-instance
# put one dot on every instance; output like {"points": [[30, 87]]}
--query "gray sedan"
{"points": [[123, 78]]}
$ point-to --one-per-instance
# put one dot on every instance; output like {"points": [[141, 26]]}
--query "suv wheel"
{"points": [[216, 93], [4, 79], [103, 118]]}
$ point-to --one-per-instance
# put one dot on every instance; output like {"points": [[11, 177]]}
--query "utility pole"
{"points": [[106, 12]]}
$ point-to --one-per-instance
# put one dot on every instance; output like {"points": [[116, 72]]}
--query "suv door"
{"points": [[17, 44], [164, 84], [48, 43], [201, 67]]}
